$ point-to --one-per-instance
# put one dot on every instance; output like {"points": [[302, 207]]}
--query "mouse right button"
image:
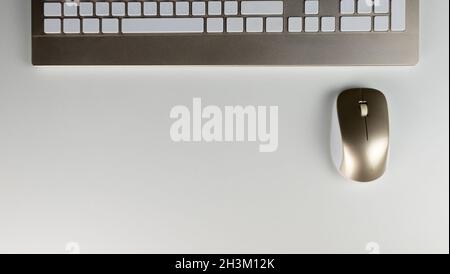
{"points": [[378, 116]]}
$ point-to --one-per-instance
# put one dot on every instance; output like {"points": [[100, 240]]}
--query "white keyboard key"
{"points": [[91, 25], [71, 26], [356, 24], [231, 8], [398, 15], [365, 6], [274, 24], [134, 9], [52, 26], [182, 8], [254, 24], [262, 7], [214, 25], [382, 6], [214, 8], [381, 23], [348, 6], [328, 24], [235, 24], [150, 8], [312, 24], [198, 8], [162, 25], [86, 9], [110, 25], [52, 9], [166, 8], [102, 9], [70, 9], [295, 24], [312, 7], [118, 9]]}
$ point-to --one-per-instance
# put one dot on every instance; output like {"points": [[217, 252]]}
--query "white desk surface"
{"points": [[85, 156]]}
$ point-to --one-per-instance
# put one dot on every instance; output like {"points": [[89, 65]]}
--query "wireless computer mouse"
{"points": [[360, 134]]}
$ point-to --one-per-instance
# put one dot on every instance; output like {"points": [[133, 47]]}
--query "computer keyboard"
{"points": [[230, 32]]}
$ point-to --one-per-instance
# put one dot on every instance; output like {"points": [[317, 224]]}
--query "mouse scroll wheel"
{"points": [[364, 109]]}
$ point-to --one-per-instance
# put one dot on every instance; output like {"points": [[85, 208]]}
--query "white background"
{"points": [[85, 156]]}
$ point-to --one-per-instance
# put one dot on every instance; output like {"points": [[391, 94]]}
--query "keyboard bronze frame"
{"points": [[278, 49]]}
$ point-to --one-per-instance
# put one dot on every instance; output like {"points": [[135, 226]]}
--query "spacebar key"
{"points": [[162, 25]]}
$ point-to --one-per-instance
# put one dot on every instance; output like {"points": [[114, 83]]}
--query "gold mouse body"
{"points": [[361, 143]]}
